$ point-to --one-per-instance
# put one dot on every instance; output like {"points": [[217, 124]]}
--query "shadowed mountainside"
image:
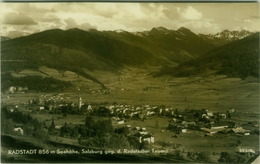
{"points": [[236, 59]]}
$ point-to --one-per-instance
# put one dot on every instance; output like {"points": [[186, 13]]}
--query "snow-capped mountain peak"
{"points": [[232, 35]]}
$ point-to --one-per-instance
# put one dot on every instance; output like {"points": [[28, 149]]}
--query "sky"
{"points": [[20, 19]]}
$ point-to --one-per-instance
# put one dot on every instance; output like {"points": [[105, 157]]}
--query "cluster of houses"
{"points": [[55, 102], [13, 89], [141, 111], [99, 91], [206, 121], [51, 103], [141, 133]]}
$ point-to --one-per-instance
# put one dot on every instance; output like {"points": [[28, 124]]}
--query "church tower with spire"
{"points": [[79, 100]]}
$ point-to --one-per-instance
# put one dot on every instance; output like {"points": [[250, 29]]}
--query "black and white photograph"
{"points": [[130, 82]]}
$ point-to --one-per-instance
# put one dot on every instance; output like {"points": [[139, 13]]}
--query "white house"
{"points": [[240, 130], [148, 137], [219, 127], [184, 130], [89, 107], [232, 110], [12, 89], [19, 130], [143, 133], [120, 122], [137, 128]]}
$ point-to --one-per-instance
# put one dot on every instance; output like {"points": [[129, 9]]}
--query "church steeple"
{"points": [[79, 100]]}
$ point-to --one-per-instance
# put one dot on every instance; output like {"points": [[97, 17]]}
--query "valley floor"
{"points": [[214, 93]]}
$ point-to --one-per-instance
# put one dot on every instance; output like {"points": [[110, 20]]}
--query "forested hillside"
{"points": [[237, 59]]}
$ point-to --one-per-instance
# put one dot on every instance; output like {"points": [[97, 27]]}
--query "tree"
{"points": [[75, 132], [103, 126], [39, 132], [7, 126], [102, 111], [226, 157], [176, 111], [178, 154], [124, 131], [90, 122], [65, 130], [84, 131], [228, 115], [118, 141], [65, 110], [51, 128], [174, 128], [144, 145], [133, 141], [203, 156]]}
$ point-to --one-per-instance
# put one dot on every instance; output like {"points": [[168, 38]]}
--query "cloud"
{"points": [[172, 13], [16, 33], [202, 26], [191, 13], [256, 17], [198, 17], [87, 26], [50, 18], [17, 19], [70, 23], [247, 21], [104, 10], [29, 8]]}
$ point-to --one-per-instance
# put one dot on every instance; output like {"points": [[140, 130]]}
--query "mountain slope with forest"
{"points": [[236, 59], [105, 49]]}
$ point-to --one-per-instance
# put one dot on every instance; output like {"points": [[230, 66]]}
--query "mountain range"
{"points": [[225, 36], [171, 51], [99, 50]]}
